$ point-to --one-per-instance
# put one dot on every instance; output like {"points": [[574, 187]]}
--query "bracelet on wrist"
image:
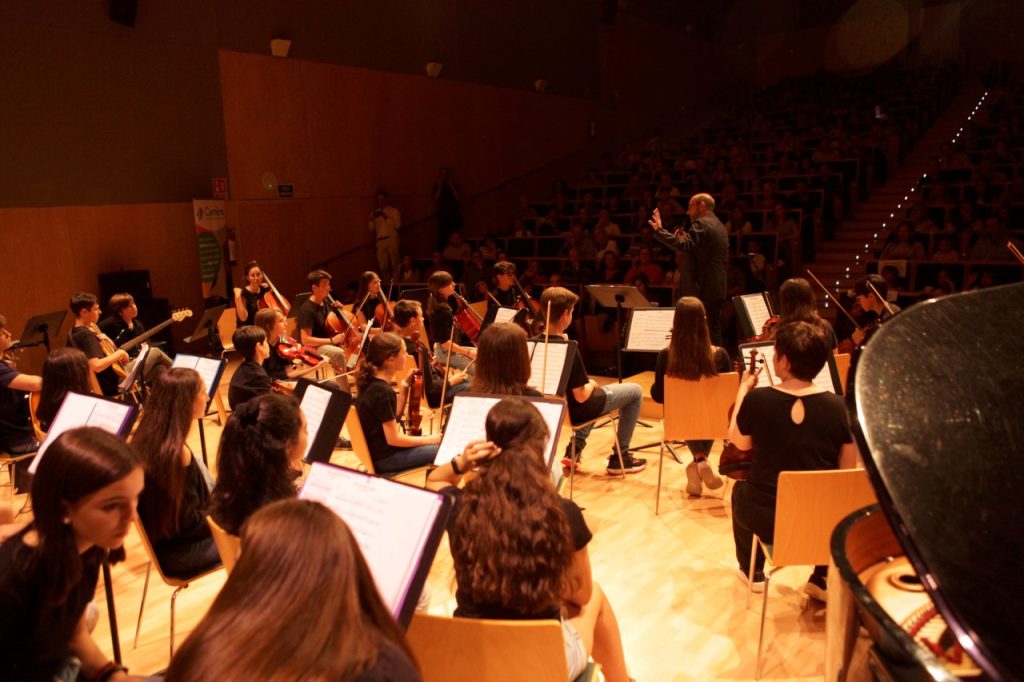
{"points": [[455, 466]]}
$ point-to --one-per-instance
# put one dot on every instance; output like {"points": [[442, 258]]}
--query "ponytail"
{"points": [[380, 349]]}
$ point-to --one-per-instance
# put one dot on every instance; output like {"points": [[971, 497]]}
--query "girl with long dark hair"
{"points": [[441, 313], [64, 370], [691, 356], [503, 363], [257, 462], [83, 501], [173, 506]]}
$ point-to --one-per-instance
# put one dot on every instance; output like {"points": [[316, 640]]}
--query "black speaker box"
{"points": [[134, 282]]}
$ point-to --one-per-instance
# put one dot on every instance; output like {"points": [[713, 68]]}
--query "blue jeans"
{"points": [[406, 458], [627, 397]]}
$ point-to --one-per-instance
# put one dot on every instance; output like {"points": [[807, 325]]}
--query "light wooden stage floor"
{"points": [[671, 579]]}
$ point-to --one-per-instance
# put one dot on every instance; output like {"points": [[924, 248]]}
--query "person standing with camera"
{"points": [[385, 221]]}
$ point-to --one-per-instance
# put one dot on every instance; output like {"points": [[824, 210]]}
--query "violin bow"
{"points": [[447, 369], [885, 303], [544, 371], [833, 299], [387, 302], [1015, 251]]}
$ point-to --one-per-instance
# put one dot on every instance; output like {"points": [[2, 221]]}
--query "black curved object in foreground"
{"points": [[937, 409]]}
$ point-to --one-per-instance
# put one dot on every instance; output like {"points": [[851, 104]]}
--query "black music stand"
{"points": [[298, 301], [618, 296], [207, 327], [39, 328]]}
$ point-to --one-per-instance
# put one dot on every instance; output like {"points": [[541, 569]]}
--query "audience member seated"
{"points": [[407, 270], [258, 459], [527, 561], [644, 264], [691, 356], [944, 251], [737, 222], [610, 270], [378, 408], [794, 426], [456, 249], [249, 379], [173, 505], [300, 604], [603, 245], [578, 239], [83, 502], [576, 271]]}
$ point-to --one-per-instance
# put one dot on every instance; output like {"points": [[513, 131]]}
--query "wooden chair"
{"points": [[226, 329], [843, 367], [33, 405], [178, 583], [362, 450], [228, 545], [611, 418], [695, 410], [464, 649], [808, 507]]}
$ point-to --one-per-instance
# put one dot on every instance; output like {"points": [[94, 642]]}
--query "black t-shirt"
{"points": [[579, 412], [120, 333], [248, 382], [15, 427], [34, 637], [377, 404], [275, 366], [252, 305], [441, 320], [467, 608], [370, 307], [506, 297], [723, 363], [311, 316], [85, 341], [392, 666], [781, 445], [192, 526]]}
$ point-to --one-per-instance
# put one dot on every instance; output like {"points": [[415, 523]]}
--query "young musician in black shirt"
{"points": [[250, 379], [85, 336], [123, 325]]}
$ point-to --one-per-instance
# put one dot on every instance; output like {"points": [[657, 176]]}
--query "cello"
{"points": [[272, 298], [384, 313], [340, 321], [468, 320]]}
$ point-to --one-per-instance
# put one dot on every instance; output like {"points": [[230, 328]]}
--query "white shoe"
{"points": [[707, 474], [757, 585], [693, 485]]}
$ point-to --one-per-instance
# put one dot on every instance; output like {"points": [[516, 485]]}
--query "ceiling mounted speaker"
{"points": [[434, 69], [540, 85], [279, 47]]}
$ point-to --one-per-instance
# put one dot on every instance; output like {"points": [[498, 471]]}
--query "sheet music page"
{"points": [[467, 423], [650, 330], [208, 368], [138, 364], [390, 521], [83, 410], [314, 404], [823, 380], [504, 314], [757, 309], [556, 352]]}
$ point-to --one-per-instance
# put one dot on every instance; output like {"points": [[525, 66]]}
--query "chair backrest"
{"points": [[699, 410], [808, 507], [843, 368], [453, 649], [228, 545], [226, 328], [33, 405], [148, 547], [359, 445]]}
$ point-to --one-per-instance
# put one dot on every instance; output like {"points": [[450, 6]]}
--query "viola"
{"points": [[412, 404], [290, 349], [734, 462], [340, 321], [272, 298], [767, 330], [468, 320], [434, 362]]}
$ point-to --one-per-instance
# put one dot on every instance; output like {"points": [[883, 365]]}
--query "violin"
{"points": [[468, 320], [532, 306], [767, 330], [434, 362], [340, 321], [272, 298], [412, 404], [290, 349], [384, 314], [734, 462]]}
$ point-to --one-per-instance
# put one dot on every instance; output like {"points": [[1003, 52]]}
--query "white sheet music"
{"points": [[208, 368], [84, 410], [137, 365], [504, 314], [390, 521], [757, 309], [314, 404], [467, 423], [547, 382], [650, 329], [767, 350]]}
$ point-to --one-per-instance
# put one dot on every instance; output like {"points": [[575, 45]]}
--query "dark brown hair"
{"points": [[805, 346], [503, 360], [690, 353], [380, 349], [65, 369]]}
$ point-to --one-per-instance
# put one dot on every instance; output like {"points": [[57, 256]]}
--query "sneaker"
{"points": [[758, 585], [630, 464], [343, 444], [816, 588], [567, 463], [693, 485], [707, 475]]}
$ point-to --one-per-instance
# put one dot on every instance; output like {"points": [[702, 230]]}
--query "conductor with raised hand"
{"points": [[706, 240]]}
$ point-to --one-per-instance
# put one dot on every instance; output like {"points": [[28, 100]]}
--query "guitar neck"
{"points": [[145, 336]]}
